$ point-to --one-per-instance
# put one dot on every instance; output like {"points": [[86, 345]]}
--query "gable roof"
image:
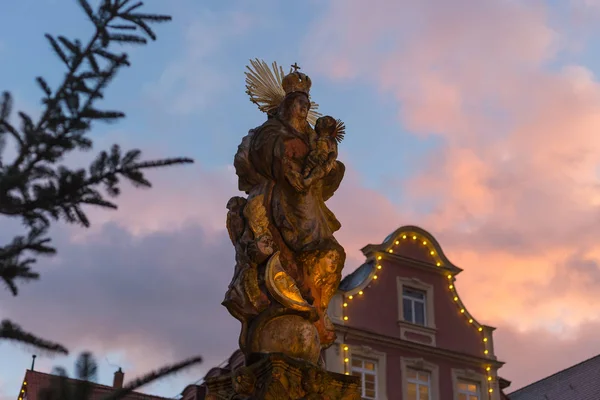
{"points": [[419, 235], [363, 275], [35, 381], [358, 280], [579, 382]]}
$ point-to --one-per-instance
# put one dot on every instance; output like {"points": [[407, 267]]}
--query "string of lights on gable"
{"points": [[452, 289], [23, 393]]}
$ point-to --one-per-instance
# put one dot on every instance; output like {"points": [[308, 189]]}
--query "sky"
{"points": [[477, 121]]}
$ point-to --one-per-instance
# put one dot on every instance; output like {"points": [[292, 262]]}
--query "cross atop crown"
{"points": [[296, 81]]}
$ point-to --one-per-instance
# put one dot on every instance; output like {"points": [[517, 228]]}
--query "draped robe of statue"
{"points": [[288, 264], [299, 225]]}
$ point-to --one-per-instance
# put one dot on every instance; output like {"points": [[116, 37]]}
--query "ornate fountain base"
{"points": [[279, 377], [291, 335]]}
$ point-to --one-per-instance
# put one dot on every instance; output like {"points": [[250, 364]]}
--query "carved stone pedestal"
{"points": [[279, 377]]}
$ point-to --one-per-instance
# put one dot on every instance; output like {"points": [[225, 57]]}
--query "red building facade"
{"points": [[403, 328], [35, 382]]}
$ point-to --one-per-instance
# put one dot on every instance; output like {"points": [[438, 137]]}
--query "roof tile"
{"points": [[579, 382]]}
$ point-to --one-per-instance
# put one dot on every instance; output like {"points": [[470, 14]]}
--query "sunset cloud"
{"points": [[501, 93], [515, 179], [116, 292], [153, 274]]}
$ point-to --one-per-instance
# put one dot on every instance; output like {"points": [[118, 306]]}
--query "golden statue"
{"points": [[288, 263]]}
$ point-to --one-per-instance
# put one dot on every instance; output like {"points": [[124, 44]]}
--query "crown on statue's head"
{"points": [[267, 87], [296, 81]]}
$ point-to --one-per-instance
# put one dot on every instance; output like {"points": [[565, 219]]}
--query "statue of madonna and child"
{"points": [[288, 263]]}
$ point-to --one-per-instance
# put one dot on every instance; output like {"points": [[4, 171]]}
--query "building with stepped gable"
{"points": [[403, 328]]}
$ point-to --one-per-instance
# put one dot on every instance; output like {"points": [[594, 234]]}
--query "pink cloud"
{"points": [[173, 234], [515, 181], [552, 354], [180, 196], [194, 195], [367, 216]]}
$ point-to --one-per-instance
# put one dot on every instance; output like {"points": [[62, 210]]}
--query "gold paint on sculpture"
{"points": [[283, 288], [279, 377], [287, 259], [288, 263]]}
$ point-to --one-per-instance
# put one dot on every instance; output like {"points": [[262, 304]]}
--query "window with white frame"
{"points": [[413, 306], [468, 390], [418, 384], [366, 370]]}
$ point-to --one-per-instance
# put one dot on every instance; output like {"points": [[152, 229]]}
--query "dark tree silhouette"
{"points": [[34, 186]]}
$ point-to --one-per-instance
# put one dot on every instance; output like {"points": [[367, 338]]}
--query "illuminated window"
{"points": [[413, 305], [418, 384], [468, 391], [366, 370]]}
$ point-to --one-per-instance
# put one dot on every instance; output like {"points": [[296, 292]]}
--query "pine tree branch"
{"points": [[86, 370], [12, 331], [12, 267], [77, 193], [34, 187], [151, 377]]}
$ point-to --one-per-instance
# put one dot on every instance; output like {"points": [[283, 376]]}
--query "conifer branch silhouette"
{"points": [[34, 186]]}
